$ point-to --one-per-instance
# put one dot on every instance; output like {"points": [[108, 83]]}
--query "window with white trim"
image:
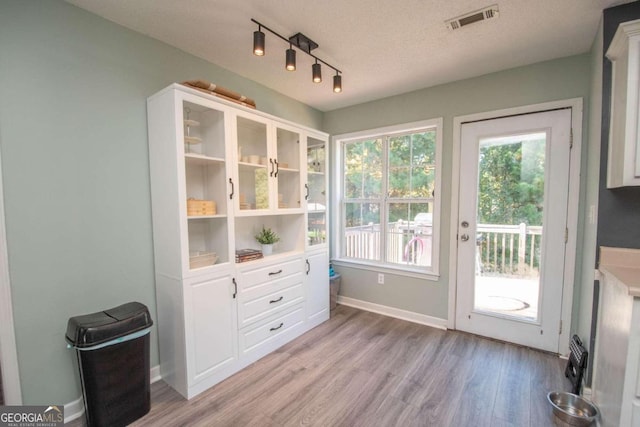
{"points": [[389, 197]]}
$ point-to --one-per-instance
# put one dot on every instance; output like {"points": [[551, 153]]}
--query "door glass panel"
{"points": [[253, 164], [205, 185], [288, 169], [316, 192], [511, 175]]}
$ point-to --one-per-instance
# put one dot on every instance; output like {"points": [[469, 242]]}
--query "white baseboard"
{"points": [[410, 316], [75, 409], [155, 374]]}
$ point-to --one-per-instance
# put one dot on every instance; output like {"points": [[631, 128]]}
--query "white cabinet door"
{"points": [[317, 287], [211, 314], [316, 191], [623, 167], [269, 166]]}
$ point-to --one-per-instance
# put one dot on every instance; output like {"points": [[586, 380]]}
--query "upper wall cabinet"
{"points": [[268, 166], [623, 168]]}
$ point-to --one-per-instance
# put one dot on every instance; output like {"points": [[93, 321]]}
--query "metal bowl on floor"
{"points": [[573, 409]]}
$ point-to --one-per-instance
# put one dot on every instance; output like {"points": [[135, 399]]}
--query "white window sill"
{"points": [[387, 269]]}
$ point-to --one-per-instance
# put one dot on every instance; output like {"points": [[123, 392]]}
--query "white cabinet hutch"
{"points": [[219, 173]]}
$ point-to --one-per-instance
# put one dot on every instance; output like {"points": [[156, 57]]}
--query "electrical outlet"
{"points": [[380, 279]]}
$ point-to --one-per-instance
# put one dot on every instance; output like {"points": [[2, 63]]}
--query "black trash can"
{"points": [[113, 356]]}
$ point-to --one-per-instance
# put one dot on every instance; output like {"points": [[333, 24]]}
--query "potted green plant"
{"points": [[267, 237]]}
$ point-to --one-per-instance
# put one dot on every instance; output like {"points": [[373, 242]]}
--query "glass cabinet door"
{"points": [[205, 185], [255, 165], [316, 192], [287, 172]]}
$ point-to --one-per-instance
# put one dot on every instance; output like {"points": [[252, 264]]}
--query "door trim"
{"points": [[572, 212], [8, 350]]}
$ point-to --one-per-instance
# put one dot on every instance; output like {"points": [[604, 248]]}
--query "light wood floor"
{"points": [[364, 369]]}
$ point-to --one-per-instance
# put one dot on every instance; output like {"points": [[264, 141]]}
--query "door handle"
{"points": [[232, 189], [306, 197], [235, 287], [275, 175], [464, 237], [272, 167], [308, 266]]}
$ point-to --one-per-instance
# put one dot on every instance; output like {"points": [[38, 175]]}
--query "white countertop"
{"points": [[624, 265]]}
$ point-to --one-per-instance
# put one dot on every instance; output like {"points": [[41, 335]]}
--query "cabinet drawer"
{"points": [[251, 338], [263, 274], [253, 310]]}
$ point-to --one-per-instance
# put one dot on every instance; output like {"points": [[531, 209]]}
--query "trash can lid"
{"points": [[96, 328]]}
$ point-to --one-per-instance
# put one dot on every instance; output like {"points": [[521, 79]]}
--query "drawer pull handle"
{"points": [[278, 327], [273, 273], [276, 300]]}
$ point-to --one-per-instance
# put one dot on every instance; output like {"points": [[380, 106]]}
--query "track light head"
{"points": [[337, 83], [316, 72], [258, 42], [291, 59]]}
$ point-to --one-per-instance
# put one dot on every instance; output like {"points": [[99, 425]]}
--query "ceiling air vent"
{"points": [[476, 16]]}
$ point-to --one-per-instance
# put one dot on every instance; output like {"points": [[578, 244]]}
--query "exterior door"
{"points": [[512, 226]]}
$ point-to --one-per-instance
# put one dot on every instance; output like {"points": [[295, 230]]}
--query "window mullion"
{"points": [[384, 206]]}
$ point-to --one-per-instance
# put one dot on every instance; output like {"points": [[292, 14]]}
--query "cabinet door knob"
{"points": [[276, 300], [273, 273], [277, 327]]}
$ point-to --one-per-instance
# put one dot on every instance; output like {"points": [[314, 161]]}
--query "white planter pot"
{"points": [[267, 249]]}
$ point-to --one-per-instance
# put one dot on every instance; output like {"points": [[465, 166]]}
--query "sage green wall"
{"points": [[73, 140], [542, 82]]}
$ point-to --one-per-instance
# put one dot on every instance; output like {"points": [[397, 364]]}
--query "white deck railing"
{"points": [[501, 249], [509, 249]]}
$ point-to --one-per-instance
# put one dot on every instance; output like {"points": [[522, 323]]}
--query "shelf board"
{"points": [[288, 170], [323, 211], [251, 165], [206, 216], [200, 159], [315, 173]]}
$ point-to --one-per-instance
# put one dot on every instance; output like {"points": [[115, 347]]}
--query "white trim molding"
{"points": [[572, 215], [12, 391], [410, 316]]}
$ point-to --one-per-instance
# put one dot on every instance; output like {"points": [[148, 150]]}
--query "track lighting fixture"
{"points": [[304, 44]]}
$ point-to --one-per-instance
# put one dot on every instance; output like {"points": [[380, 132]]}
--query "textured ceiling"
{"points": [[383, 47]]}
